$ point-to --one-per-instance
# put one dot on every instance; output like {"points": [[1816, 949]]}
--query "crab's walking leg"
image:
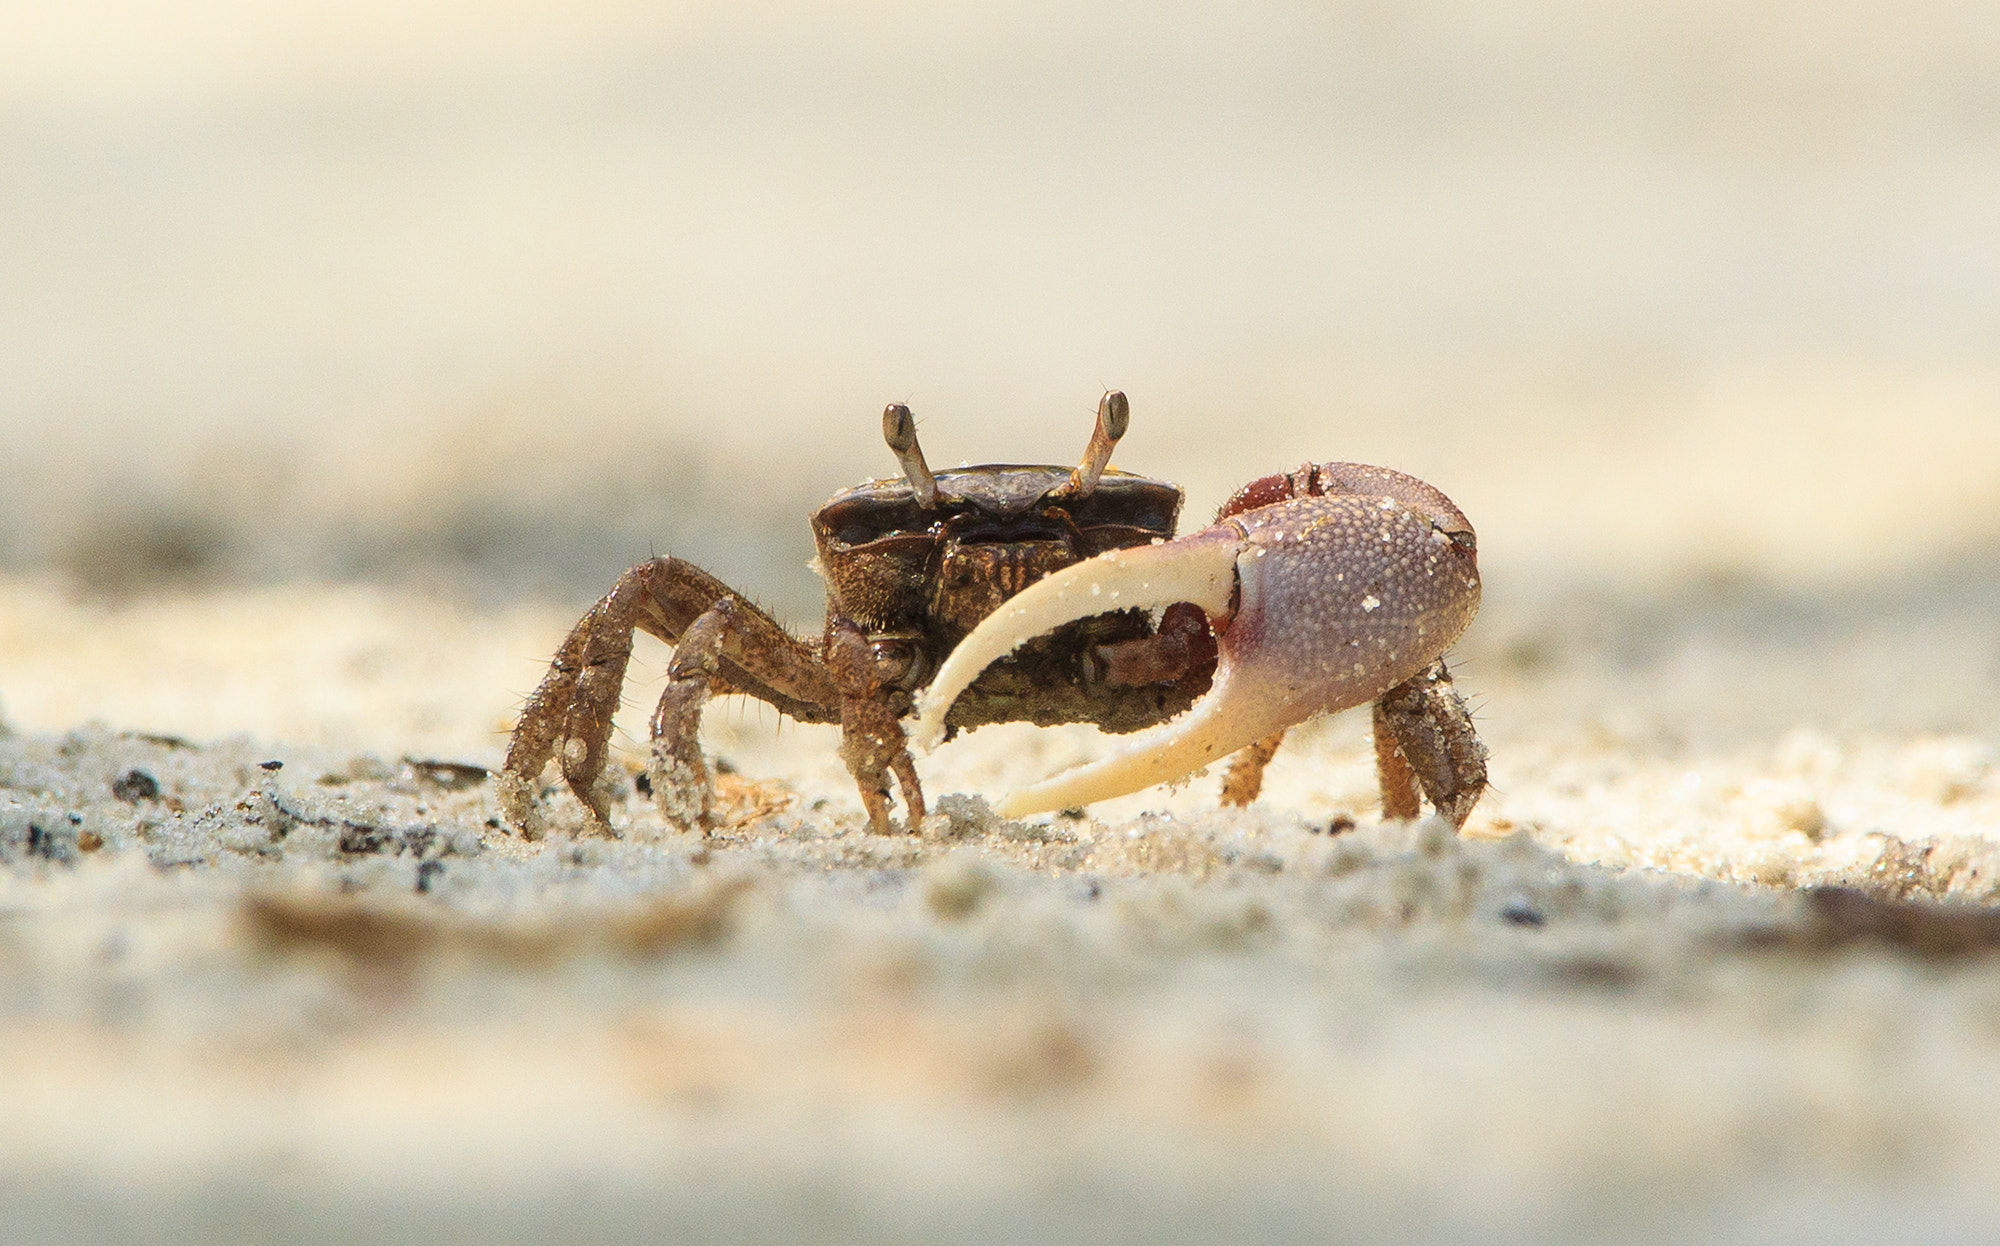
{"points": [[1401, 801], [537, 731], [569, 717], [679, 773], [1424, 736], [1246, 772], [871, 736]]}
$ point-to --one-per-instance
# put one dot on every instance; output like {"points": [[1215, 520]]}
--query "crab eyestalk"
{"points": [[899, 429], [1318, 603], [1114, 415]]}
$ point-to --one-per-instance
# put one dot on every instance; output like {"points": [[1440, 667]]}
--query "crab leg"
{"points": [[569, 717], [1319, 603]]}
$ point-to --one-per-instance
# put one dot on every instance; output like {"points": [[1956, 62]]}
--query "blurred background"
{"points": [[1684, 302]]}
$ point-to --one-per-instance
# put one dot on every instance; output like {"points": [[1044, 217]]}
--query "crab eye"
{"points": [[899, 429], [1117, 414]]}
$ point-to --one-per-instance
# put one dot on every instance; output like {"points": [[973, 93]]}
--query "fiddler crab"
{"points": [[1005, 593]]}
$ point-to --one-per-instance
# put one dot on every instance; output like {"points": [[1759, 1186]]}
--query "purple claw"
{"points": [[1319, 601]]}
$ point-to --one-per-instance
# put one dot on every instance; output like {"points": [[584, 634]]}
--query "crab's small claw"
{"points": [[1318, 603]]}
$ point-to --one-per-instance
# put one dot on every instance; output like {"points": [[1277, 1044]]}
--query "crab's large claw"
{"points": [[1318, 603]]}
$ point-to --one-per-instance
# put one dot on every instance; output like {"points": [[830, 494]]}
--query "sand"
{"points": [[304, 989]]}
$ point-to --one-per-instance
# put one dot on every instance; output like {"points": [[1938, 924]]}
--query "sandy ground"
{"points": [[295, 983]]}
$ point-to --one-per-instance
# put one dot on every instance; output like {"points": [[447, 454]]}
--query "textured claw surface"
{"points": [[1336, 600]]}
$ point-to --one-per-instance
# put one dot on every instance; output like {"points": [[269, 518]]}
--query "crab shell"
{"points": [[920, 575], [894, 560], [1324, 588]]}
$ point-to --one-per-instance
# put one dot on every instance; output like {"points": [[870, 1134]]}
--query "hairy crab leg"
{"points": [[1246, 770], [871, 733], [569, 716], [682, 788], [1424, 723], [1319, 603]]}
